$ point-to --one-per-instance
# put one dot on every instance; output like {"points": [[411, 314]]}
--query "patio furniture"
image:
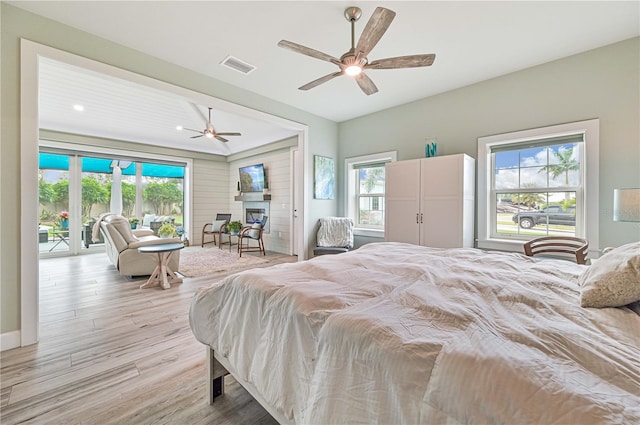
{"points": [[60, 236], [249, 233], [217, 227]]}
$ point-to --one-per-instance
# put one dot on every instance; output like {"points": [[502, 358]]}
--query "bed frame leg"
{"points": [[215, 377]]}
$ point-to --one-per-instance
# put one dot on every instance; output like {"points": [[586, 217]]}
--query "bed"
{"points": [[393, 333]]}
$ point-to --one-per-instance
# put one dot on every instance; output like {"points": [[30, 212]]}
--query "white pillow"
{"points": [[217, 224], [613, 280], [148, 218], [254, 234]]}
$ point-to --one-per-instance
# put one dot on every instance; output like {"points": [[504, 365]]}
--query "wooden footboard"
{"points": [[215, 376]]}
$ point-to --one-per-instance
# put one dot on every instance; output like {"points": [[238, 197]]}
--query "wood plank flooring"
{"points": [[111, 353]]}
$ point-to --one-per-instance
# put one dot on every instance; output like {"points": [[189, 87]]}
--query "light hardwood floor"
{"points": [[110, 353]]}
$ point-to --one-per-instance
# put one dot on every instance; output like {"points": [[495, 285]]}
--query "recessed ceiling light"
{"points": [[78, 108], [179, 127]]}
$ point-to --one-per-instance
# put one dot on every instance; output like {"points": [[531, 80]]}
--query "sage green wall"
{"points": [[601, 83], [17, 23]]}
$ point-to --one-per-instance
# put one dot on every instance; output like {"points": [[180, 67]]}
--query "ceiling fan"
{"points": [[210, 132], [355, 61]]}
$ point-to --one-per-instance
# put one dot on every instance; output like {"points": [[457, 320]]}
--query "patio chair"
{"points": [[216, 228], [253, 232]]}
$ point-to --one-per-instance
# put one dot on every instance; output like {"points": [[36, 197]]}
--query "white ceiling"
{"points": [[123, 110], [473, 41]]}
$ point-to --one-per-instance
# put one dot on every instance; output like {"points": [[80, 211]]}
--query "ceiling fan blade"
{"points": [[319, 81], [374, 30], [366, 84], [308, 51], [222, 139], [195, 137], [229, 134], [411, 61], [191, 129]]}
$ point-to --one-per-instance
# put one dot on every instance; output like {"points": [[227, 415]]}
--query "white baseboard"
{"points": [[9, 340]]}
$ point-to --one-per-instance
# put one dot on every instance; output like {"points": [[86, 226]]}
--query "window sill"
{"points": [[500, 245], [371, 233]]}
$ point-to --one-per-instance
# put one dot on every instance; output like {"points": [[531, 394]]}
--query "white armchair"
{"points": [[122, 245]]}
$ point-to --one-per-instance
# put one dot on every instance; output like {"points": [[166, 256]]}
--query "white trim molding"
{"points": [[350, 184], [10, 340], [30, 54], [591, 130]]}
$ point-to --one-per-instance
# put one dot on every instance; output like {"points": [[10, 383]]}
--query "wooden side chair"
{"points": [[215, 228], [249, 233], [576, 247]]}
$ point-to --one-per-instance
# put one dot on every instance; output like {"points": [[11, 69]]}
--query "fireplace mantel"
{"points": [[252, 197]]}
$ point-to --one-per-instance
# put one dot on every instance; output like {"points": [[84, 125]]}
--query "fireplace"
{"points": [[253, 215], [254, 211]]}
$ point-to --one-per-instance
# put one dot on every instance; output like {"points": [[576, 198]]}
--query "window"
{"points": [[535, 188], [370, 197], [365, 192], [534, 183]]}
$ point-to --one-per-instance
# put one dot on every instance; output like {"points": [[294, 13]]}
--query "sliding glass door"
{"points": [[54, 212], [76, 189]]}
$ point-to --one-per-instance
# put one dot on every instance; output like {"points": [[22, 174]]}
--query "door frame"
{"points": [[30, 52]]}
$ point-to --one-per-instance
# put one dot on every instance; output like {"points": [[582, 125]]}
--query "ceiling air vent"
{"points": [[237, 65]]}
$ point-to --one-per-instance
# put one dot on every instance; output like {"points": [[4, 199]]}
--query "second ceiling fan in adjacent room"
{"points": [[210, 131]]}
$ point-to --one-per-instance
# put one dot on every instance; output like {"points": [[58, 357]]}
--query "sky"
{"points": [[524, 168]]}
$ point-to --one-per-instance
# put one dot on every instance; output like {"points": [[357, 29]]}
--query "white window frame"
{"points": [[587, 195], [351, 189]]}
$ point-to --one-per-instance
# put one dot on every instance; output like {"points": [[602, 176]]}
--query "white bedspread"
{"points": [[394, 333]]}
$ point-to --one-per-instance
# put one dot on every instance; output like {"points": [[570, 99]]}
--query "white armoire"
{"points": [[430, 201]]}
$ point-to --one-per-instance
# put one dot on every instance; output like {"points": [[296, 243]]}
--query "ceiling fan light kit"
{"points": [[354, 62]]}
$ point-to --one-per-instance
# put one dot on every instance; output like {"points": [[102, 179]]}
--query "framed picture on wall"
{"points": [[324, 177]]}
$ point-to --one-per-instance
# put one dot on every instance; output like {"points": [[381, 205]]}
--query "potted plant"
{"points": [[134, 222], [234, 227], [167, 230], [64, 219]]}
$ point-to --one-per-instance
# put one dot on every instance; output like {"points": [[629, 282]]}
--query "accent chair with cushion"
{"points": [[335, 235], [122, 245], [253, 232], [216, 228]]}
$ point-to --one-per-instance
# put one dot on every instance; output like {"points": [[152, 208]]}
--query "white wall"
{"points": [[277, 166], [603, 83], [210, 195]]}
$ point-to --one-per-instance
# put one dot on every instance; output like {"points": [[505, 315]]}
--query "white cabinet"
{"points": [[431, 201]]}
